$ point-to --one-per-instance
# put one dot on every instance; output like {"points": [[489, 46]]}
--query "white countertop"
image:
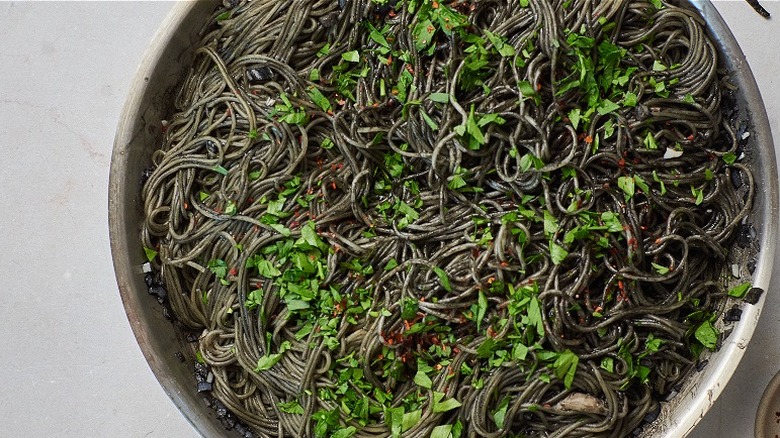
{"points": [[69, 364]]}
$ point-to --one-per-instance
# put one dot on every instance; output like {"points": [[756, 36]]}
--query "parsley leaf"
{"points": [[566, 366], [442, 431], [410, 419], [439, 97], [575, 116], [319, 99], [422, 380], [444, 406], [607, 106], [150, 253], [500, 414], [740, 290], [267, 361], [557, 253], [351, 56], [660, 269], [444, 280], [626, 183], [482, 306], [707, 334], [344, 433], [550, 224], [291, 407]]}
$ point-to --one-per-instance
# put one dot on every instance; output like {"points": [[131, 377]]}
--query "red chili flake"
{"points": [[690, 137], [622, 162], [391, 13], [333, 185], [186, 206], [588, 139], [233, 271]]}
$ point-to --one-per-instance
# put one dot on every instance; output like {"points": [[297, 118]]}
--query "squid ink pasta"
{"points": [[429, 218]]}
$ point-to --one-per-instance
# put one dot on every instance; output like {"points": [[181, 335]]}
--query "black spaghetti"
{"points": [[481, 218]]}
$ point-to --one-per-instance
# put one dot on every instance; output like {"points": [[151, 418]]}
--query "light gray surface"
{"points": [[69, 364]]}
